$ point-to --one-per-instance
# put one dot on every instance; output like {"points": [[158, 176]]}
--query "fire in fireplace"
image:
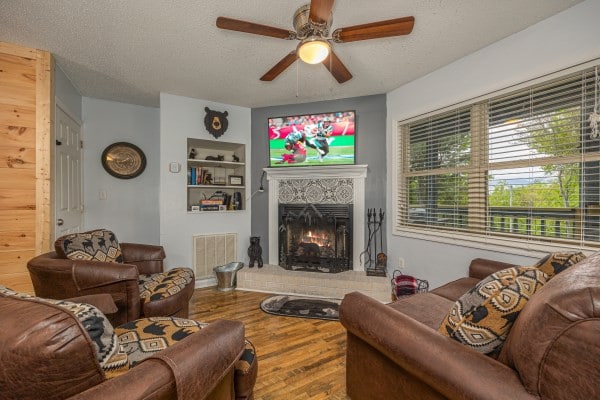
{"points": [[315, 237]]}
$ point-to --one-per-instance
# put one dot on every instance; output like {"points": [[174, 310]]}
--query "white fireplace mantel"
{"points": [[358, 174]]}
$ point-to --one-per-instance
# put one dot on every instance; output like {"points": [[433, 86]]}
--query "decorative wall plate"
{"points": [[123, 160]]}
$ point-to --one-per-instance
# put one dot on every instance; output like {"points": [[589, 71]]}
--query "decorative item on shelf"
{"points": [[235, 158], [236, 201], [219, 176], [195, 208], [193, 154], [123, 160], [236, 180], [208, 180], [215, 158], [255, 252], [215, 122]]}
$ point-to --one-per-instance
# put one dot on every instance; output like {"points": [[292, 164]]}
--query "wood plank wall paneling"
{"points": [[44, 95], [25, 161]]}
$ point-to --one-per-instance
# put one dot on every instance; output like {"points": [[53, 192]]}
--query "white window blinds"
{"points": [[524, 165]]}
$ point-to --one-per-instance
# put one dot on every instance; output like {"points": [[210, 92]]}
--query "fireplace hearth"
{"points": [[315, 237]]}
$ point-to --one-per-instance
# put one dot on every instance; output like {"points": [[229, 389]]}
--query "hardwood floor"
{"points": [[298, 358]]}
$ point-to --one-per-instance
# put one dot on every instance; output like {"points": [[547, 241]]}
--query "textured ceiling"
{"points": [[132, 50]]}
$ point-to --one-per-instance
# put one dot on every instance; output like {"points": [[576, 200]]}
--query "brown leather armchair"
{"points": [[56, 277], [45, 352]]}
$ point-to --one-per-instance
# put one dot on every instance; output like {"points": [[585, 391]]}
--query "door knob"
{"points": [[60, 222]]}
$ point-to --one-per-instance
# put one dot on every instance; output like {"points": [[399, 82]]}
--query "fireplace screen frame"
{"points": [[294, 254]]}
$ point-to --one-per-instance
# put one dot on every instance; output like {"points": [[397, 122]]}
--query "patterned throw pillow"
{"points": [[554, 263], [164, 284], [482, 317], [95, 323], [98, 245]]}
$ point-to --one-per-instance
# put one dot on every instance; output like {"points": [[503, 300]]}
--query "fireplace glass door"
{"points": [[315, 237]]}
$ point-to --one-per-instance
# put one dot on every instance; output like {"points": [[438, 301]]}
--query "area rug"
{"points": [[303, 307]]}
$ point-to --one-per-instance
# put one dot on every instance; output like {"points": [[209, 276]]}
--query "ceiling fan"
{"points": [[311, 26]]}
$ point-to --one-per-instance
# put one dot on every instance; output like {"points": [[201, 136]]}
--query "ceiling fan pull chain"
{"points": [[297, 79]]}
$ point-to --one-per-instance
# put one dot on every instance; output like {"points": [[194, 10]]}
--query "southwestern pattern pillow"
{"points": [[554, 263], [93, 320], [98, 245], [164, 284], [482, 317]]}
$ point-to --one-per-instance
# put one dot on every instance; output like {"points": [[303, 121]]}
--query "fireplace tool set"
{"points": [[373, 258]]}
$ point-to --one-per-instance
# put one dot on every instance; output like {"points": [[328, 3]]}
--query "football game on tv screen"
{"points": [[314, 139]]}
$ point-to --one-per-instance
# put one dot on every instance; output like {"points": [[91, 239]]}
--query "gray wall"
{"points": [[131, 207], [370, 150]]}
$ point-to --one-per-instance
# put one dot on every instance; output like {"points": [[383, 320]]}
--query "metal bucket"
{"points": [[226, 275]]}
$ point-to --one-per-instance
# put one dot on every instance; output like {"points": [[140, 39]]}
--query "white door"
{"points": [[68, 194]]}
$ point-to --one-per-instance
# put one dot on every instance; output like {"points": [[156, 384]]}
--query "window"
{"points": [[524, 165]]}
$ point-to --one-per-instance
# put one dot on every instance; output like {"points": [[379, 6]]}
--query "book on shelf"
{"points": [[199, 176], [211, 202], [215, 207]]}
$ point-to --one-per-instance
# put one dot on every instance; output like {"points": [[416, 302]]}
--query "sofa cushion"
{"points": [[142, 338], [97, 245], [557, 262], [99, 330], [427, 308], [455, 289], [482, 317], [164, 284]]}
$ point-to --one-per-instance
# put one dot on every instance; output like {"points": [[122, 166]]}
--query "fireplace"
{"points": [[315, 237], [342, 185]]}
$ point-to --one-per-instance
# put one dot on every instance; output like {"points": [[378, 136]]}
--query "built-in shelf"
{"points": [[219, 164], [220, 181]]}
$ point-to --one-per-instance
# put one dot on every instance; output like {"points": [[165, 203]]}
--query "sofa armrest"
{"points": [[481, 267], [189, 369], [147, 257], [450, 368]]}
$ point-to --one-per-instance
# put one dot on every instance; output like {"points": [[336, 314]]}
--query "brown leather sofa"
{"points": [[395, 351], [57, 277], [46, 353]]}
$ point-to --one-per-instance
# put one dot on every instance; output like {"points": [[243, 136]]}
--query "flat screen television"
{"points": [[312, 139]]}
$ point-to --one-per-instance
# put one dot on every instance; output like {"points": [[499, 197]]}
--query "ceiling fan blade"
{"points": [[337, 68], [251, 27], [320, 11], [280, 67], [374, 30]]}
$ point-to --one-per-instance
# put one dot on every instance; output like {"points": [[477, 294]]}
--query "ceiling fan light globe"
{"points": [[313, 50]]}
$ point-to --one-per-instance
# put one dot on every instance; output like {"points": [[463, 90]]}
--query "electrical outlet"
{"points": [[400, 263]]}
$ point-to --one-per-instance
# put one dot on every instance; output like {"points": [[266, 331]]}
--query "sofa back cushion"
{"points": [[482, 317], [96, 245], [554, 343]]}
